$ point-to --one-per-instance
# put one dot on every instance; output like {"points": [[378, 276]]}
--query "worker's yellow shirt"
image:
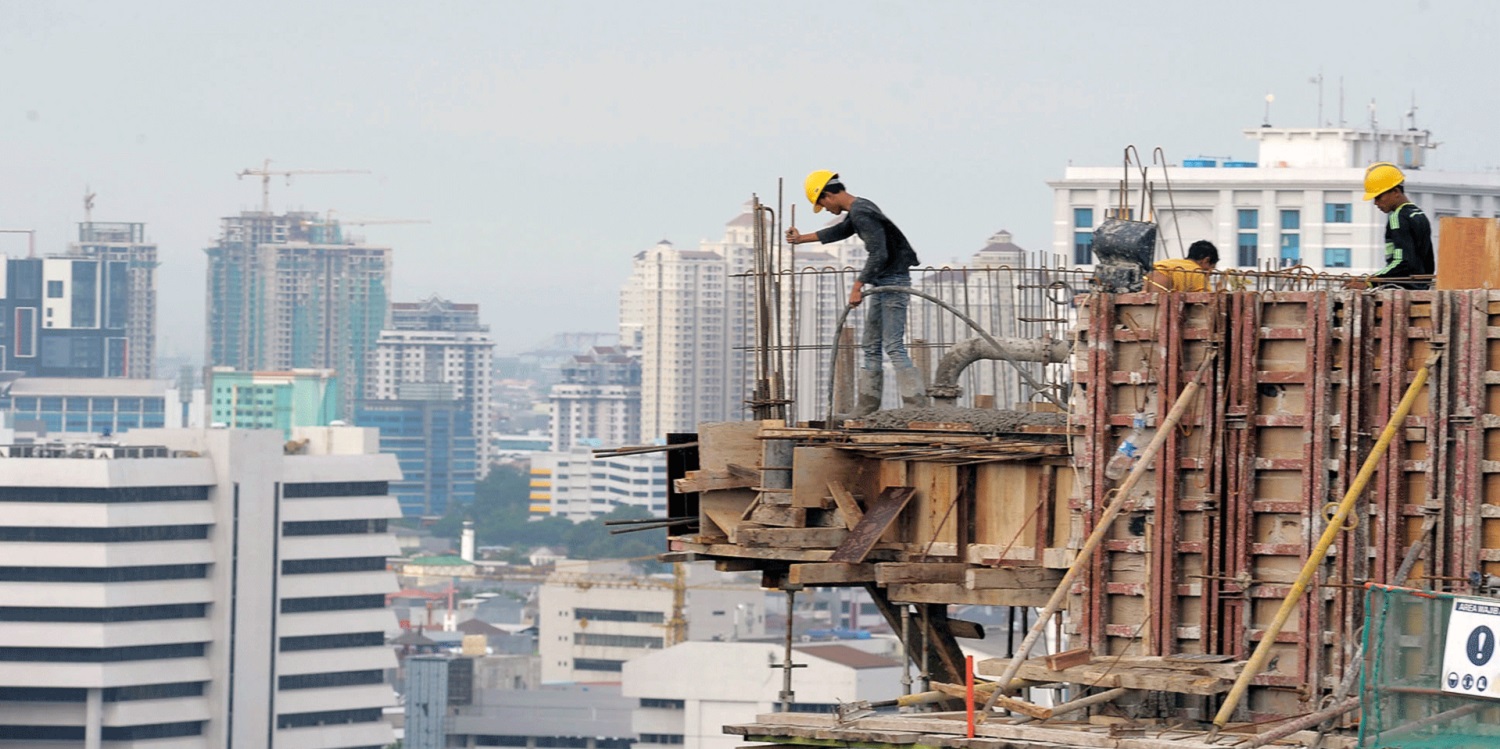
{"points": [[1185, 275]]}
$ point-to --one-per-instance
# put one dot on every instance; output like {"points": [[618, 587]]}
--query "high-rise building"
{"points": [[1003, 289], [198, 588], [65, 316], [599, 400], [675, 305], [114, 242], [438, 342], [431, 436], [692, 316], [1301, 203], [290, 291], [272, 400]]}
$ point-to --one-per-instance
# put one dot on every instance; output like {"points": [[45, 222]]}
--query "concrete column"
{"points": [[93, 718]]}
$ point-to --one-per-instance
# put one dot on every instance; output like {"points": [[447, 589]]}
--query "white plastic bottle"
{"points": [[1120, 463]]}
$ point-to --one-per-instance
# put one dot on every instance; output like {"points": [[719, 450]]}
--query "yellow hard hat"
{"points": [[1381, 176], [814, 186]]}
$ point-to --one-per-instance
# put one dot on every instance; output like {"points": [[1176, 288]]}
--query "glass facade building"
{"points": [[433, 441]]}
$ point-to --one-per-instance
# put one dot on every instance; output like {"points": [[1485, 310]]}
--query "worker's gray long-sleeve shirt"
{"points": [[886, 248]]}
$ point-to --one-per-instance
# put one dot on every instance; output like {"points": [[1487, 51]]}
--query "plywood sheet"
{"points": [[1468, 253]]}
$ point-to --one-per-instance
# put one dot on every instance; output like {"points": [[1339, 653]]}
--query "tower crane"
{"points": [[330, 221], [266, 172]]}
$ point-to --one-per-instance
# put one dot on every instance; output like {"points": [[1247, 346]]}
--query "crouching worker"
{"points": [[1185, 274], [889, 258]]}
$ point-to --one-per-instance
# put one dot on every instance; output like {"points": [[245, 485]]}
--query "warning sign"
{"points": [[1471, 664]]}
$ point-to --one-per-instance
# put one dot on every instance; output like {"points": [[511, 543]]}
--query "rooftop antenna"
{"points": [[1317, 80], [1270, 97], [1411, 114], [1374, 130], [88, 204], [1341, 101]]}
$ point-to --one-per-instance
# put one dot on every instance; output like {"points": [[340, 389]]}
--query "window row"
{"points": [[336, 489], [328, 718], [336, 679], [105, 615], [107, 733], [111, 694], [110, 535], [617, 641], [332, 527], [332, 603], [332, 642], [341, 564], [103, 496], [619, 615], [103, 574], [103, 655]]}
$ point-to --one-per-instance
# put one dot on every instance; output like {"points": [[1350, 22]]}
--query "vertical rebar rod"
{"points": [[786, 659]]}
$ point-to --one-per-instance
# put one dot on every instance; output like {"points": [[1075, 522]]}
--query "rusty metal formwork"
{"points": [[1302, 385]]}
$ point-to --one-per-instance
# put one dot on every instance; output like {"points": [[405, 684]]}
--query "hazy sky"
{"points": [[548, 142]]}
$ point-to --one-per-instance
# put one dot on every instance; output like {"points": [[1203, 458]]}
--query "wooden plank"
{"points": [[724, 510], [954, 593], [722, 443], [1468, 253], [779, 515], [986, 578], [847, 505], [734, 477], [793, 538], [966, 629], [893, 573], [867, 533], [1020, 706], [934, 517], [814, 467], [1069, 658], [830, 573]]}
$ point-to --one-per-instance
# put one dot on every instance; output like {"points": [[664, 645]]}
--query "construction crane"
{"points": [[266, 172], [331, 221]]}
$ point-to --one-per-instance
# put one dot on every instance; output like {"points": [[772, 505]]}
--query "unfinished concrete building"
{"points": [[1316, 499], [116, 242], [290, 291]]}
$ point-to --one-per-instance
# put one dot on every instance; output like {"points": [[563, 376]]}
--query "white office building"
{"points": [[593, 617], [1299, 203], [691, 712], [577, 485], [188, 588]]}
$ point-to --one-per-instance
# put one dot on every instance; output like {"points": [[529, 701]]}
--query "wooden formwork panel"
{"points": [[1303, 385]]}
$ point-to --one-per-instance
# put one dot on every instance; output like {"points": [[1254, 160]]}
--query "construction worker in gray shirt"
{"points": [[889, 258]]}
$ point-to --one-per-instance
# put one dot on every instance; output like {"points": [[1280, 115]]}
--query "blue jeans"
{"points": [[885, 324]]}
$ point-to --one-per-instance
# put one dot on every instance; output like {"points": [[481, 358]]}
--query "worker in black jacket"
{"points": [[889, 258], [1408, 233]]}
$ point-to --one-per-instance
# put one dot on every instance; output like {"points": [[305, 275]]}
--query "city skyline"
{"points": [[532, 165]]}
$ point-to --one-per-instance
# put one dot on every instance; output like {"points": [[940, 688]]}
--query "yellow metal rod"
{"points": [[1315, 559]]}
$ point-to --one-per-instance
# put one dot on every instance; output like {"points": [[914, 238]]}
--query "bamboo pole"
{"points": [[1315, 559], [1101, 528]]}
